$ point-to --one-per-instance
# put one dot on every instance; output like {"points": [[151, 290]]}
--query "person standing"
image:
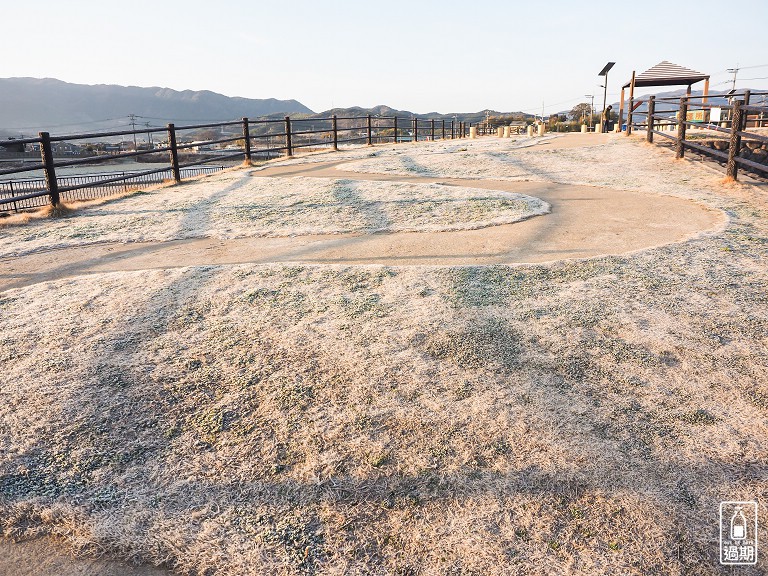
{"points": [[607, 119]]}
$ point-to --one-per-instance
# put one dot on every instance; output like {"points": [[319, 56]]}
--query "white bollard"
{"points": [[473, 132], [599, 128], [500, 132], [530, 131], [541, 129], [506, 132], [583, 128]]}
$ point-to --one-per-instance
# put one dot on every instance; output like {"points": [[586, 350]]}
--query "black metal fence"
{"points": [[239, 140], [734, 134], [32, 192]]}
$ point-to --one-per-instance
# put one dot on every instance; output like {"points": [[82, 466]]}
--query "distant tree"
{"points": [[580, 111]]}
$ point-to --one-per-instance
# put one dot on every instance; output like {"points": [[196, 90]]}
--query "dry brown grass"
{"points": [[47, 212], [580, 417]]}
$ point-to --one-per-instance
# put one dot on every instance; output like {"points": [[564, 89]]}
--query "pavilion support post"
{"points": [[631, 99], [621, 109], [706, 92]]}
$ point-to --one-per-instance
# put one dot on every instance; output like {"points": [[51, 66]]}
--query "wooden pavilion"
{"points": [[663, 74]]}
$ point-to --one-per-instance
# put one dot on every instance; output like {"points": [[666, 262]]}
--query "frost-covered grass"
{"points": [[580, 417], [648, 169], [237, 205]]}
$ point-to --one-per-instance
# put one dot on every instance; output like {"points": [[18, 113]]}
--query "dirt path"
{"points": [[585, 222], [44, 557]]}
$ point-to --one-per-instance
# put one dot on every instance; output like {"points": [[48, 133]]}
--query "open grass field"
{"points": [[569, 416]]}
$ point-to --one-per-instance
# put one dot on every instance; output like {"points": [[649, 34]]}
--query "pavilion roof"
{"points": [[667, 74]]}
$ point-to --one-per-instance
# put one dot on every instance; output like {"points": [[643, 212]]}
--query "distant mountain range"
{"points": [[28, 105]]}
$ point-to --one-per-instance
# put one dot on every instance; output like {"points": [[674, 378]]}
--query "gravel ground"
{"points": [[580, 417]]}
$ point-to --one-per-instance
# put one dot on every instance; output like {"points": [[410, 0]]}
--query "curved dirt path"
{"points": [[46, 557], [585, 222]]}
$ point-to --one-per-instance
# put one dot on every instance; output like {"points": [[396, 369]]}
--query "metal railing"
{"points": [[732, 142], [244, 140], [32, 193]]}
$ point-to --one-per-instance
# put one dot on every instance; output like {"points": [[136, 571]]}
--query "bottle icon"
{"points": [[738, 525]]}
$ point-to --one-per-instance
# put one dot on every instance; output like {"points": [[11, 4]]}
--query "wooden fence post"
{"points": [[452, 130], [395, 129], [415, 127], [288, 138], [680, 145], [734, 144], [370, 132], [745, 113], [432, 129], [174, 153], [443, 128], [46, 154], [247, 139], [335, 128], [651, 112]]}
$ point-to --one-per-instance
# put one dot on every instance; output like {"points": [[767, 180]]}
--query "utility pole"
{"points": [[132, 118], [591, 106], [735, 71], [150, 136]]}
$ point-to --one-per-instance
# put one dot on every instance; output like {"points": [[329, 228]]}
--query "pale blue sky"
{"points": [[419, 55]]}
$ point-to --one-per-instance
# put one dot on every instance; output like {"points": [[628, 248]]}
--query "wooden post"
{"points": [[745, 113], [335, 128], [46, 154], [706, 92], [247, 139], [288, 137], [621, 109], [734, 144], [680, 145], [631, 100], [395, 129], [415, 128], [443, 129], [432, 129], [453, 132], [370, 132], [174, 152], [651, 111]]}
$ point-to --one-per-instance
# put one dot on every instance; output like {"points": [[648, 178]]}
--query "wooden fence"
{"points": [[735, 134], [249, 139]]}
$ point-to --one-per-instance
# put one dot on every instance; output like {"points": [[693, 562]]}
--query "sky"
{"points": [[418, 55]]}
